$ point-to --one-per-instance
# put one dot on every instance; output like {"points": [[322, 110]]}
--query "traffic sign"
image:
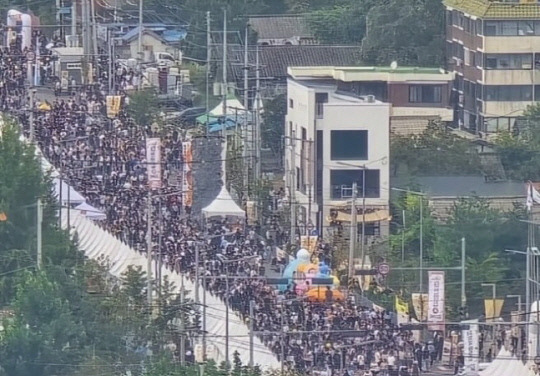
{"points": [[384, 268], [30, 55]]}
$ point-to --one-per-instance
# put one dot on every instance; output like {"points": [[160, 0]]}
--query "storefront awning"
{"points": [[376, 216]]}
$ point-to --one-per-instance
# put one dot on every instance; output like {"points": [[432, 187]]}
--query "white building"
{"points": [[337, 139]]}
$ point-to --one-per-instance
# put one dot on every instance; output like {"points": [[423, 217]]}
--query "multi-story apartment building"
{"points": [[493, 47], [338, 133]]}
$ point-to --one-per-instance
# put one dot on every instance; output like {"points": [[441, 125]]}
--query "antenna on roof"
{"points": [[394, 65]]}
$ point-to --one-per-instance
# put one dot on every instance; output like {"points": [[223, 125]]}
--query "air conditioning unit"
{"points": [[461, 99], [459, 62]]}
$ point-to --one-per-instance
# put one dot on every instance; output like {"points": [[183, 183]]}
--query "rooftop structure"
{"points": [[492, 9]]}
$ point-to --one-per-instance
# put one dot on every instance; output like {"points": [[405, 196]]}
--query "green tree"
{"points": [[143, 107], [344, 24], [410, 32], [273, 123], [520, 149], [437, 151]]}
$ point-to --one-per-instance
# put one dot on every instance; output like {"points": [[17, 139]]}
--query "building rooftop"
{"points": [[461, 186], [359, 73], [280, 27], [490, 9], [275, 60]]}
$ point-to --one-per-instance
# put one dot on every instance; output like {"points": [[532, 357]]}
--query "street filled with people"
{"points": [[104, 159]]}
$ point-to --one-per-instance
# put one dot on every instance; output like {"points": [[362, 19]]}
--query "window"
{"points": [[511, 28], [458, 50], [320, 100], [508, 61], [479, 27], [508, 28], [298, 178], [291, 103], [508, 93], [526, 28], [347, 145], [490, 28], [425, 93], [341, 182]]}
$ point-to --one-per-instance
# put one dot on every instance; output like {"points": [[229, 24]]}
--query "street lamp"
{"points": [[422, 195]]}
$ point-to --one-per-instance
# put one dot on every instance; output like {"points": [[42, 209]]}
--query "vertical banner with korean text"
{"points": [[436, 300], [470, 345], [153, 160]]}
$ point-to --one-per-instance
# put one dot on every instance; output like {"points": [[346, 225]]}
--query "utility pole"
{"points": [[224, 72], [363, 245], [74, 20], [84, 29], [352, 241], [227, 317], [248, 134], [31, 115], [149, 251], [463, 261], [257, 118], [94, 38], [110, 75], [197, 256], [182, 326], [139, 42], [421, 271], [251, 332], [208, 59], [293, 187], [39, 233]]}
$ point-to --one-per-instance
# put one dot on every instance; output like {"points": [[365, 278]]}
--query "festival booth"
{"points": [[67, 194], [312, 279], [90, 212], [223, 206]]}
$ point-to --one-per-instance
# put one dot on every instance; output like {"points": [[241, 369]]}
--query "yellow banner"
{"points": [[402, 306], [493, 308], [420, 305], [113, 105]]}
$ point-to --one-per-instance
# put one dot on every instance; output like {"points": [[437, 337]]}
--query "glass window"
{"points": [[347, 145], [291, 103], [508, 93], [508, 28], [449, 17], [490, 28], [425, 93], [479, 27], [341, 182], [526, 28], [508, 61], [320, 100]]}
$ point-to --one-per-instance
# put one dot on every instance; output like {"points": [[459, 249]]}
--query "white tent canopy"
{"points": [[90, 212], [74, 197], [223, 206], [233, 107]]}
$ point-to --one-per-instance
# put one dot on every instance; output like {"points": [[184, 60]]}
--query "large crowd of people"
{"points": [[104, 159]]}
